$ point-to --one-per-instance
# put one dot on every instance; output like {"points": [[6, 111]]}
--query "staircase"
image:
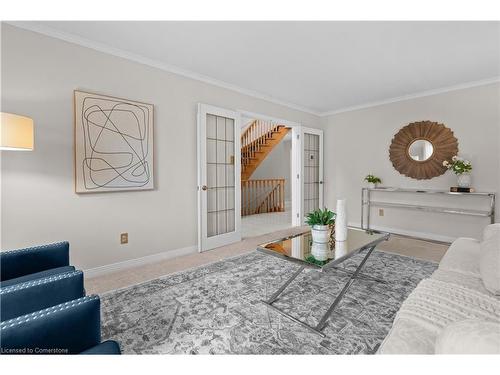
{"points": [[260, 196], [257, 141]]}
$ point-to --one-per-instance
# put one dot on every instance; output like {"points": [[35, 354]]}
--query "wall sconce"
{"points": [[16, 132]]}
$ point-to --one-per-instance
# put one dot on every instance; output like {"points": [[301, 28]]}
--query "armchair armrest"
{"points": [[68, 328], [16, 263], [25, 298]]}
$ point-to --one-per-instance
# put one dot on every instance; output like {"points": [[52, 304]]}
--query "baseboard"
{"points": [[409, 233], [114, 267]]}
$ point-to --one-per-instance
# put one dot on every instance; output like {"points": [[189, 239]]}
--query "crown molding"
{"points": [[104, 48], [420, 94]]}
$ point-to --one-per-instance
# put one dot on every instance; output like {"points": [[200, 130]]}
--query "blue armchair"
{"points": [[18, 266], [24, 298], [70, 328]]}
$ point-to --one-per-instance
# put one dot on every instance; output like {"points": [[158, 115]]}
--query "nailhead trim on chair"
{"points": [[45, 280], [34, 247], [46, 312]]}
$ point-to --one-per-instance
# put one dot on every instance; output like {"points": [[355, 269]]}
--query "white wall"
{"points": [[39, 205], [277, 165], [357, 143]]}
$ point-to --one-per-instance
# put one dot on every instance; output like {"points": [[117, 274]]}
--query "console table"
{"points": [[367, 202]]}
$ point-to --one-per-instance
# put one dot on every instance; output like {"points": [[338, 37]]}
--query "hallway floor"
{"points": [[257, 225]]}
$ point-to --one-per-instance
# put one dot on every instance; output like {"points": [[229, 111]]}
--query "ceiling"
{"points": [[321, 67]]}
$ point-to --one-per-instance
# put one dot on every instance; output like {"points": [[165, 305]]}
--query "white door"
{"points": [[311, 181], [219, 177]]}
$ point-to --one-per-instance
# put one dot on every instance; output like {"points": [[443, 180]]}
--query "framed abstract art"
{"points": [[114, 144]]}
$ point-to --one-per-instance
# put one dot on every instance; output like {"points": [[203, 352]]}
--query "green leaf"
{"points": [[320, 217]]}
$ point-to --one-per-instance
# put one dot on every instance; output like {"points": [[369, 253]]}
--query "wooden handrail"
{"points": [[263, 195]]}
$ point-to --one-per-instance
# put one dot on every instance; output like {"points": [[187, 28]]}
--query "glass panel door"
{"points": [[312, 170], [219, 177]]}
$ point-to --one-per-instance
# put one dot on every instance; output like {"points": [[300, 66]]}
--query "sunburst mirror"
{"points": [[419, 149]]}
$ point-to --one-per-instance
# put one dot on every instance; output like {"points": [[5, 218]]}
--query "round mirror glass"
{"points": [[420, 150]]}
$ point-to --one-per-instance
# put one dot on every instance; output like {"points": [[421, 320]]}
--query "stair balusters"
{"points": [[262, 196]]}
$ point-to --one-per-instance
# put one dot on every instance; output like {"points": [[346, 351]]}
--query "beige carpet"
{"points": [[420, 249]]}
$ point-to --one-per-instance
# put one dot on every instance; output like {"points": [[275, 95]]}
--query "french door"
{"points": [[219, 177], [312, 170]]}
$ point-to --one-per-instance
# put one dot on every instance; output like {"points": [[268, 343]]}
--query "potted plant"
{"points": [[373, 181], [320, 222], [462, 169]]}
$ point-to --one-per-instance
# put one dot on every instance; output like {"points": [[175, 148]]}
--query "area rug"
{"points": [[217, 309]]}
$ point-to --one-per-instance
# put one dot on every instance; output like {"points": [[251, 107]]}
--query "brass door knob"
{"points": [[204, 187]]}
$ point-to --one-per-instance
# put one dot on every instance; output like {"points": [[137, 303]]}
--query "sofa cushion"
{"points": [[68, 328], [465, 281], [21, 262], [408, 337], [489, 263], [491, 230], [435, 304], [469, 337], [31, 296], [431, 307], [105, 347], [37, 275], [462, 257]]}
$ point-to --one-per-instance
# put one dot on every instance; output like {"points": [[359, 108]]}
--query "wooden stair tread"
{"points": [[267, 144]]}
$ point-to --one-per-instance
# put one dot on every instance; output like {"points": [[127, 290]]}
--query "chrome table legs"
{"points": [[344, 290], [276, 294], [319, 327]]}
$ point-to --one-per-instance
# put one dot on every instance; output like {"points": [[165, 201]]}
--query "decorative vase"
{"points": [[320, 234], [320, 242], [341, 221], [464, 180], [320, 251], [340, 249]]}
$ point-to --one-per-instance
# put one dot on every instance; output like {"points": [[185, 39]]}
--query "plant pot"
{"points": [[372, 185], [464, 180], [320, 234], [320, 251]]}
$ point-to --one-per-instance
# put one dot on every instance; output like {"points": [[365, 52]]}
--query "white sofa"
{"points": [[453, 299]]}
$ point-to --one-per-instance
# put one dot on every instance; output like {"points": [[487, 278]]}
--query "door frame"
{"points": [[296, 162], [297, 168], [206, 243]]}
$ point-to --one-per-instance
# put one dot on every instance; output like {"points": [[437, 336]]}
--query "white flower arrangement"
{"points": [[458, 165]]}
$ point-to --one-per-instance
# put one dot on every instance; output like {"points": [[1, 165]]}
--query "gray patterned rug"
{"points": [[216, 308]]}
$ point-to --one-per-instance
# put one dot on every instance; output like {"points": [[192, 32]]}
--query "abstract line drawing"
{"points": [[113, 144]]}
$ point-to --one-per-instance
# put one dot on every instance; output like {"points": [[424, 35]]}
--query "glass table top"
{"points": [[300, 247]]}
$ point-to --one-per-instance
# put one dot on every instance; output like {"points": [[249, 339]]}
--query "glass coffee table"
{"points": [[297, 249]]}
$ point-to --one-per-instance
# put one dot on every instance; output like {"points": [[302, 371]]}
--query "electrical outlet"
{"points": [[123, 238], [380, 212]]}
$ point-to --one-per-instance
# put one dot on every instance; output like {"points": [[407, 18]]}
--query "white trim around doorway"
{"points": [[296, 172]]}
